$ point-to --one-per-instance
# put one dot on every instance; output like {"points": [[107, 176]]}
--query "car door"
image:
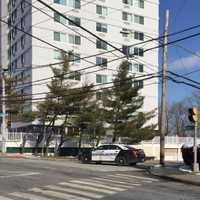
{"points": [[114, 151], [97, 153], [110, 153]]}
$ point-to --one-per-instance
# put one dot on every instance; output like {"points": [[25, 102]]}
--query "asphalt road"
{"points": [[57, 180]]}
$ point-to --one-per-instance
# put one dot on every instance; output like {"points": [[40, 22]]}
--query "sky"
{"points": [[183, 14]]}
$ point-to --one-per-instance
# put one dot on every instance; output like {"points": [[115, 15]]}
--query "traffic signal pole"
{"points": [[195, 164], [163, 100], [194, 118]]}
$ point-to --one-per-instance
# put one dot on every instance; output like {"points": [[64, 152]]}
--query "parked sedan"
{"points": [[114, 153]]}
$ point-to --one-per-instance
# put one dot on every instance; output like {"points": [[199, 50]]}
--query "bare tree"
{"points": [[177, 118]]}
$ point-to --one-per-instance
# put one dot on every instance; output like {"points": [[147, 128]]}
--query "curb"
{"points": [[171, 178], [38, 158]]}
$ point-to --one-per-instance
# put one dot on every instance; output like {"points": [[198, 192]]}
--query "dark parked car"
{"points": [[187, 154], [114, 153]]}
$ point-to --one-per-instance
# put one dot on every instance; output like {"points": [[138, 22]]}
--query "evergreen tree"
{"points": [[123, 105]]}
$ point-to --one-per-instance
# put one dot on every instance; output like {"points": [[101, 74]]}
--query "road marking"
{"points": [[127, 179], [4, 198], [124, 184], [89, 182], [84, 187], [107, 183], [139, 177], [28, 196], [87, 194], [58, 194], [18, 175]]}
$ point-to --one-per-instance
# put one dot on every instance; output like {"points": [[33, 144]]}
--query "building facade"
{"points": [[127, 22]]}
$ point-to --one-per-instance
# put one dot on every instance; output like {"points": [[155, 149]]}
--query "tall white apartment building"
{"points": [[120, 22]]}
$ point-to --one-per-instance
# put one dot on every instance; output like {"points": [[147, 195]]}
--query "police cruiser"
{"points": [[115, 153]]}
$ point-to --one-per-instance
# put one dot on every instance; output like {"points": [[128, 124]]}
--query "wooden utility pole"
{"points": [[163, 100]]}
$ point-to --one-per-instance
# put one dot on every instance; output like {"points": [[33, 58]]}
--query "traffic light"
{"points": [[193, 114]]}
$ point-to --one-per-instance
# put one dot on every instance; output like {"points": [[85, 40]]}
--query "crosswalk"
{"points": [[82, 189]]}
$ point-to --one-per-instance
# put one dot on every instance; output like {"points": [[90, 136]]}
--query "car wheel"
{"points": [[121, 161], [85, 159], [133, 164]]}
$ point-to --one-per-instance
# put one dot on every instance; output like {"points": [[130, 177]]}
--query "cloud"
{"points": [[186, 62]]}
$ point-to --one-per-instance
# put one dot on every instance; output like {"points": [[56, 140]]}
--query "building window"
{"points": [[138, 84], [75, 58], [139, 3], [76, 20], [74, 4], [138, 51], [61, 37], [101, 78], [139, 19], [75, 76], [101, 61], [138, 35], [62, 2], [136, 67], [101, 10], [100, 27], [101, 45], [74, 39], [58, 18], [127, 17], [58, 55], [128, 2]]}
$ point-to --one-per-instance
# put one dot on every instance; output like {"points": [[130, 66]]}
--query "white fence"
{"points": [[172, 140]]}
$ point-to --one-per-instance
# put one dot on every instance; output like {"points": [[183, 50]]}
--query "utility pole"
{"points": [[195, 164], [4, 130], [163, 101]]}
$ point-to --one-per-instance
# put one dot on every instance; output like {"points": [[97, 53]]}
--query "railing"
{"points": [[172, 140]]}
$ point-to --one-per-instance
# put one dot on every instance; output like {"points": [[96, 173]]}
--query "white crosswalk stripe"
{"points": [[86, 182], [58, 194], [74, 191], [107, 183], [24, 195], [138, 177], [129, 179], [118, 181], [82, 189]]}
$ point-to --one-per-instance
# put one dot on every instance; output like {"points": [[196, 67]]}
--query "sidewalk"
{"points": [[30, 156], [175, 172]]}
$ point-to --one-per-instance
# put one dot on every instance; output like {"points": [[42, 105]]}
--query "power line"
{"points": [[103, 88], [37, 38], [83, 28], [150, 49]]}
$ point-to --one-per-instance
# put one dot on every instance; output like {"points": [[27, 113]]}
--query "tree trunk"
{"points": [[98, 140], [80, 141], [39, 139], [23, 144]]}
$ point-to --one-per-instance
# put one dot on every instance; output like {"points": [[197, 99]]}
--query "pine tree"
{"points": [[123, 105]]}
